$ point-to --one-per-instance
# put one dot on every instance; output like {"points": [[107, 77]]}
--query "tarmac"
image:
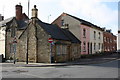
{"points": [[85, 61]]}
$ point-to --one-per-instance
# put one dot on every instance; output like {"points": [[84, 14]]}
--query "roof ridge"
{"points": [[84, 21]]}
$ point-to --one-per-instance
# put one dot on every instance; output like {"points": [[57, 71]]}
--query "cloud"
{"points": [[94, 11]]}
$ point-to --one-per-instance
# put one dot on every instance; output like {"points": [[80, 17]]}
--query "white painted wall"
{"points": [[2, 41], [97, 40]]}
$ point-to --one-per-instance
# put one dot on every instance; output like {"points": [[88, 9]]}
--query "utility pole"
{"points": [[49, 18], [28, 7]]}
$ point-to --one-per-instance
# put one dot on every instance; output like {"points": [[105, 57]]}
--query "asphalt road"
{"points": [[102, 70]]}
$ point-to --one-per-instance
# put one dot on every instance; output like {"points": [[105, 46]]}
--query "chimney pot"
{"points": [[34, 12]]}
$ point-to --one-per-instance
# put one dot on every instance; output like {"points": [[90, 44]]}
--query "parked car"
{"points": [[118, 51]]}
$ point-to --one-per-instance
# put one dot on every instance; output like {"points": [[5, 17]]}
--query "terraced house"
{"points": [[33, 42], [90, 35]]}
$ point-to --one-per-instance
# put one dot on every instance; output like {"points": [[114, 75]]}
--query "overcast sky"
{"points": [[103, 13]]}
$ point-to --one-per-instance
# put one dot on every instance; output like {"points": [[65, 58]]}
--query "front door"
{"points": [[88, 47], [91, 48]]}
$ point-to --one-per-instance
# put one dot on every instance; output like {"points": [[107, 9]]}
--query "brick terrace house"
{"points": [[85, 31], [110, 41], [34, 46], [14, 27]]}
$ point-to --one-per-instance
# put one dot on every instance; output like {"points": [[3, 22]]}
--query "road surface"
{"points": [[102, 70]]}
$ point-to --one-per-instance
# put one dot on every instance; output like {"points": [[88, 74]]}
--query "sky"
{"points": [[103, 13]]}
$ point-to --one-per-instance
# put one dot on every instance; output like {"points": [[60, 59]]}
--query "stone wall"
{"points": [[9, 42], [22, 48], [75, 51], [43, 46]]}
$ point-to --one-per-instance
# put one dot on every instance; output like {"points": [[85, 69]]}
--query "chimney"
{"points": [[109, 30], [34, 12], [18, 12]]}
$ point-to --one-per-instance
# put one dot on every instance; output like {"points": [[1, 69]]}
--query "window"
{"points": [[64, 49], [99, 35], [75, 49], [94, 35], [84, 33], [13, 32], [105, 39], [11, 48], [61, 49], [14, 48], [99, 46], [108, 40], [58, 49], [111, 40], [62, 22]]}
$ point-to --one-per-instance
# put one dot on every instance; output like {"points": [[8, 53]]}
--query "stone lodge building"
{"points": [[14, 28], [33, 43]]}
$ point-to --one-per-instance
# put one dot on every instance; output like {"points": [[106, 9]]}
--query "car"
{"points": [[118, 51]]}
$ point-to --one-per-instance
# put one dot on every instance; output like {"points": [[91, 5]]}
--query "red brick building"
{"points": [[109, 41]]}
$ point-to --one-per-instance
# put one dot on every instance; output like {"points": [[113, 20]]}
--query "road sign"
{"points": [[15, 40], [50, 40]]}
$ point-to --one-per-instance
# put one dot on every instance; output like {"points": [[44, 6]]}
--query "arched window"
{"points": [[84, 32]]}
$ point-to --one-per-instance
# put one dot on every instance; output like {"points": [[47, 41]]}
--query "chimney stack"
{"points": [[34, 12], [18, 12]]}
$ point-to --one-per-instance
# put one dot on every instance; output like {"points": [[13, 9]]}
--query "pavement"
{"points": [[85, 61]]}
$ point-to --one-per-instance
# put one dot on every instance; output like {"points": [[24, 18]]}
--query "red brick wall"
{"points": [[110, 42]]}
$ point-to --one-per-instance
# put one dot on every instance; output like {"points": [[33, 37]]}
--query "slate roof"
{"points": [[21, 23], [58, 33], [54, 31], [4, 22], [71, 36], [85, 22]]}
